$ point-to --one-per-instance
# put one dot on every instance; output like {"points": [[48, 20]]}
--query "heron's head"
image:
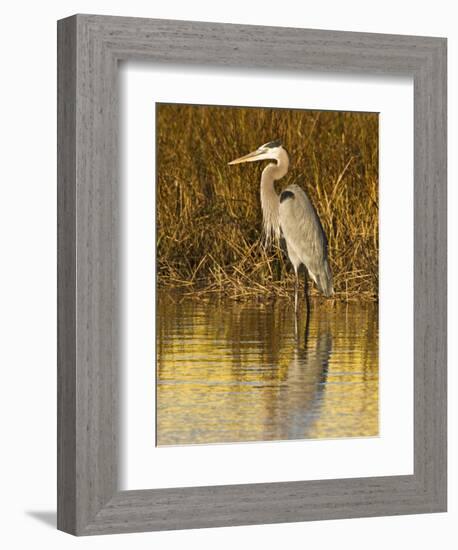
{"points": [[273, 150]]}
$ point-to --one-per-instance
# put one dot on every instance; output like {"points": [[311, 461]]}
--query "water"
{"points": [[234, 372]]}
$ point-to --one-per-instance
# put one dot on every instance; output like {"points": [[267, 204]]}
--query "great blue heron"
{"points": [[292, 215]]}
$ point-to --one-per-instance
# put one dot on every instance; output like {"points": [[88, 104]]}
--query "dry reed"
{"points": [[208, 215]]}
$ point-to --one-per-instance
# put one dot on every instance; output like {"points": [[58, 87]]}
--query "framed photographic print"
{"points": [[251, 275]]}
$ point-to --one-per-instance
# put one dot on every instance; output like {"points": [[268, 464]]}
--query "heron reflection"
{"points": [[301, 394]]}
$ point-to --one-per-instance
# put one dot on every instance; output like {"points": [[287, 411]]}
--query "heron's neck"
{"points": [[270, 201], [275, 171]]}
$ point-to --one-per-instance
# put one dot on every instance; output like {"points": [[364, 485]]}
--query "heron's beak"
{"points": [[251, 157]]}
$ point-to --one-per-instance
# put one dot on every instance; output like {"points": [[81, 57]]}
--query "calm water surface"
{"points": [[231, 372]]}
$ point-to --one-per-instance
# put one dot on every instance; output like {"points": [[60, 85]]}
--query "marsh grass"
{"points": [[208, 214]]}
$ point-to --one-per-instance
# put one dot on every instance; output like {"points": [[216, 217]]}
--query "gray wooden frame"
{"points": [[89, 48]]}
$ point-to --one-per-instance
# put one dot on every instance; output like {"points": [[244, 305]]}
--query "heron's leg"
{"points": [[306, 335], [306, 293], [296, 288]]}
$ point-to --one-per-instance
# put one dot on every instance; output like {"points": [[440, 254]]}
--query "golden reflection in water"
{"points": [[233, 372]]}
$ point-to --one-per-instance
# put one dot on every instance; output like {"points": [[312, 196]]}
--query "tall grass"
{"points": [[208, 213]]}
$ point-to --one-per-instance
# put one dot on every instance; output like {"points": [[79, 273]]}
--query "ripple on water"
{"points": [[233, 372]]}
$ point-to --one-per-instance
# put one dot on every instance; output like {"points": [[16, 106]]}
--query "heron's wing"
{"points": [[304, 235]]}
